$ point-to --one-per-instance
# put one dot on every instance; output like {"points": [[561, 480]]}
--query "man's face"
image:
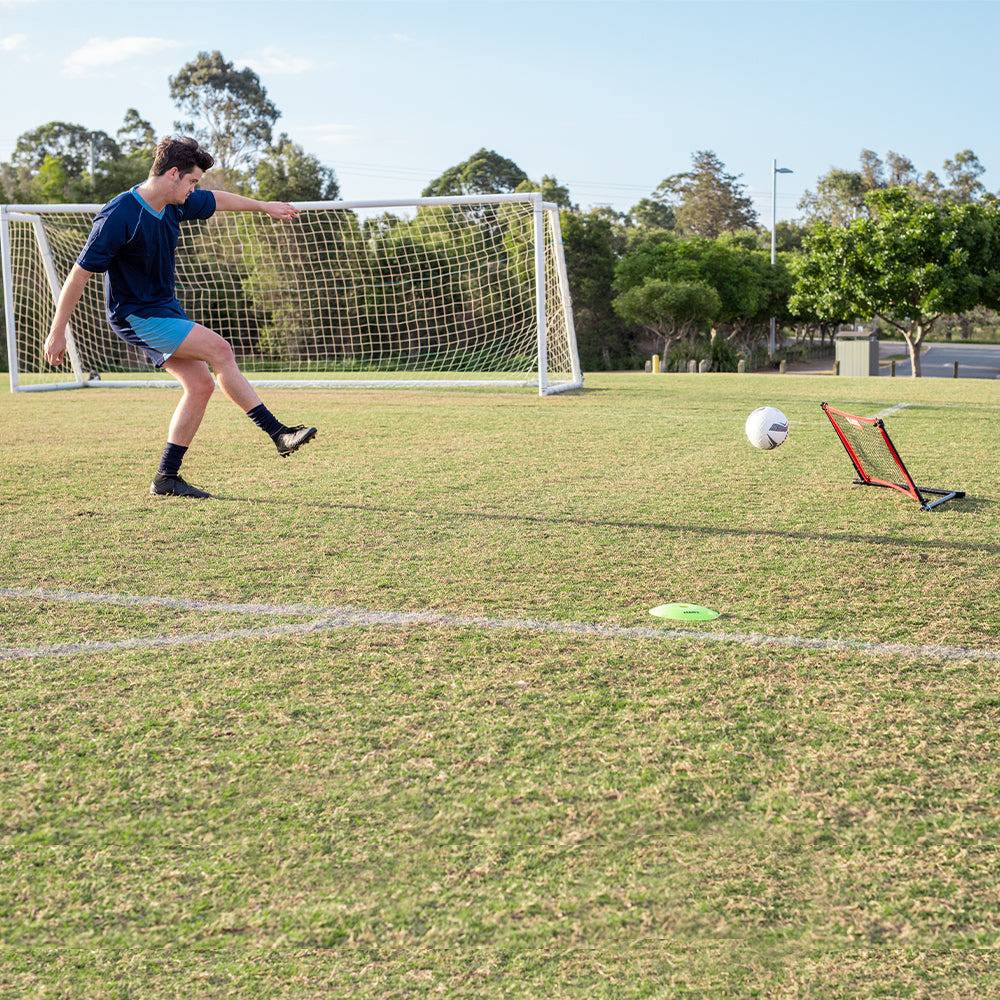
{"points": [[184, 184]]}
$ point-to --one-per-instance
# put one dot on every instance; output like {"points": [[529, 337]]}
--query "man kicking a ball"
{"points": [[132, 243]]}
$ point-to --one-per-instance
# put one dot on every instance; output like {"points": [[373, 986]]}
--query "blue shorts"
{"points": [[157, 336]]}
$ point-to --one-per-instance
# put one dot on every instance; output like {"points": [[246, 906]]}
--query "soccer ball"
{"points": [[766, 427]]}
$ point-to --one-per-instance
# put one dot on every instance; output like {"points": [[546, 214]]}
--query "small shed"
{"points": [[857, 352]]}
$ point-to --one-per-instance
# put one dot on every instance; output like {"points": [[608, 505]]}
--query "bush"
{"points": [[720, 353], [724, 356], [683, 351]]}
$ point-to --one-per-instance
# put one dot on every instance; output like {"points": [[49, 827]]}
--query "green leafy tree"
{"points": [[839, 198], [227, 109], [52, 181], [116, 176], [52, 162], [872, 170], [901, 171], [788, 237], [963, 173], [136, 136], [485, 172], [707, 201], [908, 264], [670, 310], [551, 191], [286, 172], [749, 288], [16, 184], [802, 317], [652, 213], [592, 244], [67, 141], [931, 187]]}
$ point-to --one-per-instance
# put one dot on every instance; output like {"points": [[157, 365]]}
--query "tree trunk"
{"points": [[913, 346]]}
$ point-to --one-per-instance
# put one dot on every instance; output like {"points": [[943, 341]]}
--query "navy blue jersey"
{"points": [[134, 248]]}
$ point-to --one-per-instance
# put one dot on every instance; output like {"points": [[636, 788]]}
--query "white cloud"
{"points": [[402, 39], [331, 134], [11, 42], [101, 53], [275, 61]]}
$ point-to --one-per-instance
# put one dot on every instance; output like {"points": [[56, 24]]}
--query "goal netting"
{"points": [[462, 291], [875, 458]]}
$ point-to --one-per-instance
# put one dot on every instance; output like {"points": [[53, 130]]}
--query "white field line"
{"points": [[888, 411], [344, 617], [147, 642]]}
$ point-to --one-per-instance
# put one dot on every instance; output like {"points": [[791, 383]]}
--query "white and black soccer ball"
{"points": [[766, 427]]}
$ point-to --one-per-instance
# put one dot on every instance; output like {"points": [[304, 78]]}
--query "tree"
{"points": [[707, 201], [931, 187], [52, 180], [963, 173], [872, 170], [907, 264], [52, 163], [902, 172], [592, 243], [651, 213], [485, 172], [228, 109], [16, 184], [136, 142], [551, 190], [618, 220], [802, 313], [839, 198], [669, 309], [286, 172], [743, 278], [136, 136], [788, 237], [67, 141]]}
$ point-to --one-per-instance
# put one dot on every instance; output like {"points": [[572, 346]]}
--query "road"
{"points": [[939, 357]]}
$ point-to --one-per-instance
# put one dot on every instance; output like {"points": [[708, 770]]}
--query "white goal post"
{"points": [[433, 292]]}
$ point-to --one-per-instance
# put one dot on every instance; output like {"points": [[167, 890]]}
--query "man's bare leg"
{"points": [[197, 382], [202, 344], [198, 385]]}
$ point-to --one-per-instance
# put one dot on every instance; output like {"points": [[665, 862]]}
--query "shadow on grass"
{"points": [[970, 505], [667, 527]]}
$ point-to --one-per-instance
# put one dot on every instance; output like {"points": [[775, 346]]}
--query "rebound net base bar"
{"points": [[876, 460]]}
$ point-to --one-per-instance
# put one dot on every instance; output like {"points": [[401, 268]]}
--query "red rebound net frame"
{"points": [[876, 461]]}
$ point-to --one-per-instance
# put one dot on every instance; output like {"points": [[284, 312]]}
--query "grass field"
{"points": [[484, 800]]}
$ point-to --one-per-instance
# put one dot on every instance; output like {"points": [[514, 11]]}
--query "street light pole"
{"points": [[772, 340]]}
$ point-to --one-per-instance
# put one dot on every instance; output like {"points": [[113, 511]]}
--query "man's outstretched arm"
{"points": [[72, 289], [227, 202]]}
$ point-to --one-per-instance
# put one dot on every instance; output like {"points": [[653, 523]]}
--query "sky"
{"points": [[609, 97]]}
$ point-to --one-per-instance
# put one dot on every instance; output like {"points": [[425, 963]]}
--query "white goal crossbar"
{"points": [[422, 292]]}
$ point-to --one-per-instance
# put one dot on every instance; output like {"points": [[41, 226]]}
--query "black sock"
{"points": [[266, 420], [173, 455]]}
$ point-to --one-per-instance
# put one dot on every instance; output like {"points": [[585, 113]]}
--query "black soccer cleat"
{"points": [[174, 486], [293, 438]]}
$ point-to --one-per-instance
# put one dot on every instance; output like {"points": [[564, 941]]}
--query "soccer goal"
{"points": [[468, 291], [876, 461]]}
